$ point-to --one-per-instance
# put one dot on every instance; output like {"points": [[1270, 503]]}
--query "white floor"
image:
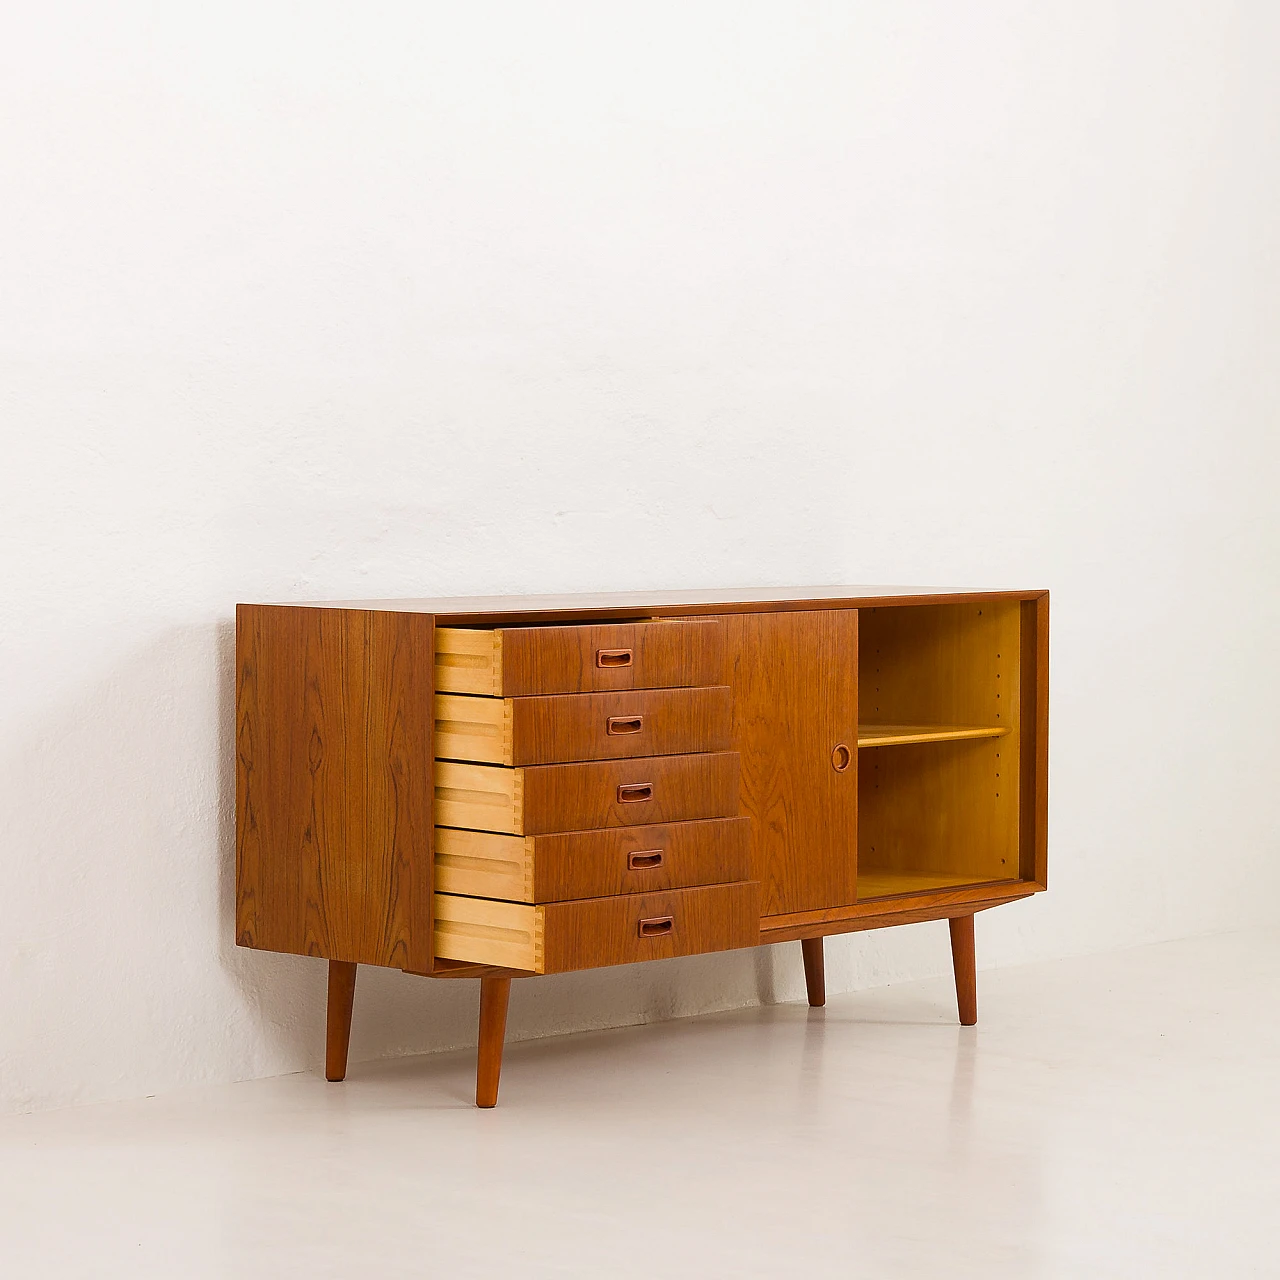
{"points": [[1117, 1115]]}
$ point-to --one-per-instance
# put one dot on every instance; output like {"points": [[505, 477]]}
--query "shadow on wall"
{"points": [[114, 882], [284, 1005]]}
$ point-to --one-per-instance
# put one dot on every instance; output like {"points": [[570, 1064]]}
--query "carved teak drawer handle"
{"points": [[635, 792], [625, 724], [613, 657], [644, 859], [656, 926]]}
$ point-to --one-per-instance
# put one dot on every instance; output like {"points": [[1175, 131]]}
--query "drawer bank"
{"points": [[497, 788]]}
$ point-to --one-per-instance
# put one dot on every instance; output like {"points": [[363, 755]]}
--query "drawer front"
{"points": [[545, 798], [594, 932], [582, 726], [592, 864], [629, 793], [515, 662]]}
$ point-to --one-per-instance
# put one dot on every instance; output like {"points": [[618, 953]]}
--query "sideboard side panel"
{"points": [[334, 751], [1034, 790], [795, 699]]}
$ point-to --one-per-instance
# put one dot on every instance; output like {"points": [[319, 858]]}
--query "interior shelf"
{"points": [[891, 735], [885, 884]]}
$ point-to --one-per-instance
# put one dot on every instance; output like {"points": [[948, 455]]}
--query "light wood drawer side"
{"points": [[478, 730], [481, 796], [469, 661], [485, 864], [481, 931]]}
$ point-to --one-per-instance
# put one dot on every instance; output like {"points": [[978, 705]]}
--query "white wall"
{"points": [[306, 301]]}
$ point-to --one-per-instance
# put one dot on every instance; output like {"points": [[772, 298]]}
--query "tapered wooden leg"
{"points": [[815, 978], [342, 993], [962, 960], [494, 993]]}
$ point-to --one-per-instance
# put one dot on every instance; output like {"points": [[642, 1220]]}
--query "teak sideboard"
{"points": [[496, 788]]}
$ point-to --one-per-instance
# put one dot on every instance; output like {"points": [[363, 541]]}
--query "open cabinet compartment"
{"points": [[939, 759]]}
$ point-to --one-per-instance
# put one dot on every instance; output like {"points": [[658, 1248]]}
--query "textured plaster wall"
{"points": [[333, 300]]}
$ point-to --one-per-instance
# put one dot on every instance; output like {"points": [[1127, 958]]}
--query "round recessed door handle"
{"points": [[841, 758]]}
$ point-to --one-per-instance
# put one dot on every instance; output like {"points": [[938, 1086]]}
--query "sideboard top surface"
{"points": [[695, 601]]}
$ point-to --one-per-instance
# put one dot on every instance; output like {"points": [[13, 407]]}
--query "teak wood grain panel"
{"points": [[592, 864], [795, 700], [539, 799], [515, 662], [596, 932], [503, 611], [882, 912], [333, 795], [569, 727]]}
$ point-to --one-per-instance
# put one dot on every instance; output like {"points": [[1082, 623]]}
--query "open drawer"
{"points": [[579, 797], [567, 727], [592, 864], [593, 932], [513, 662]]}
